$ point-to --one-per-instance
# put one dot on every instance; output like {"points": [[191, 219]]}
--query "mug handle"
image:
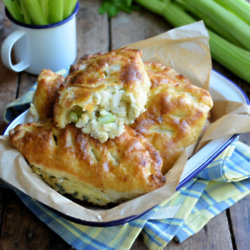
{"points": [[7, 46]]}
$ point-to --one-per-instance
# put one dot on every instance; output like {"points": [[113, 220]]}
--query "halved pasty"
{"points": [[104, 93]]}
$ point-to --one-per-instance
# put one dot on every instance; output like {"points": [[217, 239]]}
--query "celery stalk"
{"points": [[69, 6], [73, 117], [25, 13], [13, 10], [172, 12], [18, 6], [209, 22], [45, 8], [231, 56], [35, 12], [231, 23], [154, 6], [106, 119], [240, 7], [56, 11], [176, 16]]}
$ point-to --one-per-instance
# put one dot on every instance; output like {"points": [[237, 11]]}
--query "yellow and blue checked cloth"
{"points": [[220, 185]]}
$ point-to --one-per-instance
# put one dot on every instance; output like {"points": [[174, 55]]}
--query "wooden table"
{"points": [[20, 229]]}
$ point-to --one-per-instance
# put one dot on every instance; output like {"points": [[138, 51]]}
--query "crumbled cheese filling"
{"points": [[113, 108]]}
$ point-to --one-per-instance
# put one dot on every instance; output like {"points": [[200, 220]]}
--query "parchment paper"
{"points": [[186, 49]]}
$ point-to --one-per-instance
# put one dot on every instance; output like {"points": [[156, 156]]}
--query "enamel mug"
{"points": [[52, 46]]}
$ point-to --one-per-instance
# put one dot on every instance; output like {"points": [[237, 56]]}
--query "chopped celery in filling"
{"points": [[73, 117], [75, 114], [105, 117], [102, 116]]}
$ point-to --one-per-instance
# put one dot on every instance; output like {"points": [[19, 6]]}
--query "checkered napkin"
{"points": [[221, 184]]}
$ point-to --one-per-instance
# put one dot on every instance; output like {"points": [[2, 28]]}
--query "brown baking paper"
{"points": [[186, 49]]}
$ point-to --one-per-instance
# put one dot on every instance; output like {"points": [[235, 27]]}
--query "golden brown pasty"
{"points": [[175, 113], [48, 84], [105, 93], [76, 164]]}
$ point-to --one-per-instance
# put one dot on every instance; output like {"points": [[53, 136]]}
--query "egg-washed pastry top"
{"points": [[75, 163], [106, 92], [48, 85], [175, 113]]}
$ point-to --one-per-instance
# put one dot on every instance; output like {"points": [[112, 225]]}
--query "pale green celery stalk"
{"points": [[73, 117], [69, 6], [209, 22], [231, 23], [13, 10], [106, 119], [234, 58], [45, 8], [240, 7], [231, 56], [35, 12], [25, 13], [56, 10], [155, 6], [173, 13]]}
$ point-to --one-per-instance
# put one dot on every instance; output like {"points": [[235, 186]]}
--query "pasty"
{"points": [[48, 85], [74, 163], [105, 92], [175, 113]]}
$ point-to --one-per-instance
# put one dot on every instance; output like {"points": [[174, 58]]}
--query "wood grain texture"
{"points": [[139, 25], [92, 29], [22, 230], [208, 237], [240, 223]]}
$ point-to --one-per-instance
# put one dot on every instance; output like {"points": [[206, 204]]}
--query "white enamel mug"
{"points": [[35, 47]]}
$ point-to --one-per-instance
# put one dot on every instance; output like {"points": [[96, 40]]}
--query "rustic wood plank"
{"points": [[240, 222], [138, 244], [215, 235], [134, 27], [92, 29], [22, 230]]}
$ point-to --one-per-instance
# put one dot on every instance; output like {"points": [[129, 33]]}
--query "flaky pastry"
{"points": [[175, 113], [48, 85], [74, 163], [104, 93]]}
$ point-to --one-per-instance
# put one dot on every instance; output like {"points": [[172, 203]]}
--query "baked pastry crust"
{"points": [[175, 113], [74, 163], [176, 110], [48, 85], [113, 85]]}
